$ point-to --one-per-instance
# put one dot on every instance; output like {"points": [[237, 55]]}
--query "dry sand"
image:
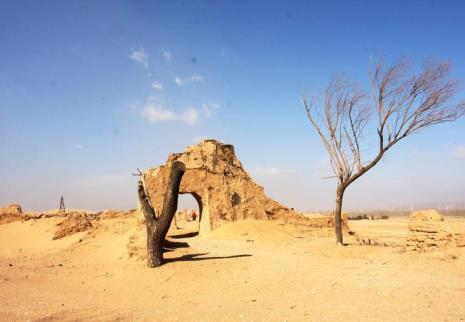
{"points": [[246, 271]]}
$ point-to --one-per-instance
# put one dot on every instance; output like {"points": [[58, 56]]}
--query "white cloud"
{"points": [[196, 77], [190, 115], [210, 108], [178, 80], [156, 113], [167, 55], [273, 171], [183, 81], [140, 56], [458, 152], [79, 146], [157, 85]]}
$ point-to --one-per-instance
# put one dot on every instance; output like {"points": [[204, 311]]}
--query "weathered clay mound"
{"points": [[11, 213], [224, 191], [322, 221], [73, 223], [112, 214], [425, 216], [427, 231]]}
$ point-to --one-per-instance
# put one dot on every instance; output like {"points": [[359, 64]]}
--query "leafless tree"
{"points": [[403, 102], [157, 225]]}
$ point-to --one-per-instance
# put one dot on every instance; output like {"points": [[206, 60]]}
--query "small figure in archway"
{"points": [[193, 215], [175, 221]]}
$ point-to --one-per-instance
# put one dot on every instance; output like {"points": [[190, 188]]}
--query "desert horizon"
{"points": [[233, 161], [70, 264]]}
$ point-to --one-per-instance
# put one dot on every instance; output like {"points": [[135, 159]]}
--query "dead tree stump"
{"points": [[158, 226]]}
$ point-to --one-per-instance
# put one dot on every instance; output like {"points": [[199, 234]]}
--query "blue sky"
{"points": [[92, 90]]}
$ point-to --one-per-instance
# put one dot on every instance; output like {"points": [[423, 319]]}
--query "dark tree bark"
{"points": [[337, 215], [158, 226]]}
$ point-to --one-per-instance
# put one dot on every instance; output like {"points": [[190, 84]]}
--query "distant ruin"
{"points": [[428, 231], [225, 192], [11, 213]]}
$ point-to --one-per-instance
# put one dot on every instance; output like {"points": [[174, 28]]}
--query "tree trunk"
{"points": [[337, 215], [158, 226]]}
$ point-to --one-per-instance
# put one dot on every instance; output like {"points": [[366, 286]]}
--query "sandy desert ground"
{"points": [[245, 271]]}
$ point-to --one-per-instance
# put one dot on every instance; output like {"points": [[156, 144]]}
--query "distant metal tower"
{"points": [[62, 204]]}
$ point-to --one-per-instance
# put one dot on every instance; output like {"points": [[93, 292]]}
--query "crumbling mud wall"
{"points": [[428, 231], [11, 213], [73, 223], [224, 191]]}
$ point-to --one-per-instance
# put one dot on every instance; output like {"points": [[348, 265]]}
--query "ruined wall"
{"points": [[428, 231], [11, 213], [224, 190]]}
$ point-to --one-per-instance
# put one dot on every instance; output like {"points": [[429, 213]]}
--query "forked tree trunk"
{"points": [[337, 215], [158, 226]]}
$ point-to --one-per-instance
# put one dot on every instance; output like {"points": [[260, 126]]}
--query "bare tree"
{"points": [[158, 225], [403, 101]]}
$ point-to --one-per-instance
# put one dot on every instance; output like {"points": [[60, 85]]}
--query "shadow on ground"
{"points": [[186, 235], [196, 257]]}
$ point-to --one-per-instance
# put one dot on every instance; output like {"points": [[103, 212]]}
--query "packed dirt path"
{"points": [[246, 271]]}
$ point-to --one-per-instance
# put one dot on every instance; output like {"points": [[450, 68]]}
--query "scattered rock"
{"points": [[459, 240], [73, 223]]}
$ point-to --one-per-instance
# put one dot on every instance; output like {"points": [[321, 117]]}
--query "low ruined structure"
{"points": [[428, 231], [11, 213], [225, 192], [73, 223]]}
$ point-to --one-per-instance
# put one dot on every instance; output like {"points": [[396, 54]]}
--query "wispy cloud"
{"points": [[140, 56], [166, 55], [157, 85], [458, 152], [79, 146], [209, 109], [183, 81], [178, 80], [272, 171], [196, 78], [156, 113], [190, 115]]}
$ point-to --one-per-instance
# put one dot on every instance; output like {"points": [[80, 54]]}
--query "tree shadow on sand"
{"points": [[195, 257], [186, 235], [169, 245]]}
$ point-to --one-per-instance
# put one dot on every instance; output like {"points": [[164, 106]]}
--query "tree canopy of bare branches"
{"points": [[401, 102]]}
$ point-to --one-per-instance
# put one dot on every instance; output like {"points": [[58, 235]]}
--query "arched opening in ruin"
{"points": [[189, 213]]}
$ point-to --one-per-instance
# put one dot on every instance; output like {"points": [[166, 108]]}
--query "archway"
{"points": [[224, 191], [188, 216]]}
